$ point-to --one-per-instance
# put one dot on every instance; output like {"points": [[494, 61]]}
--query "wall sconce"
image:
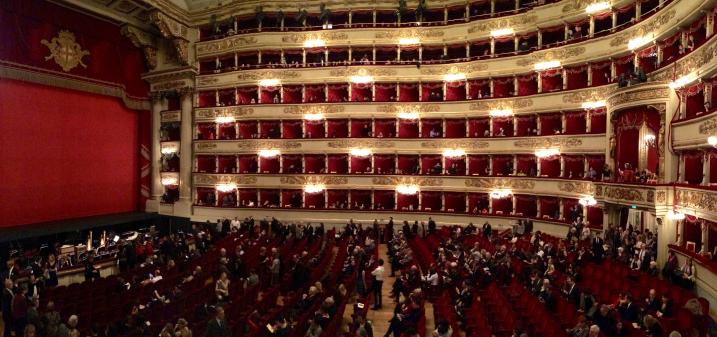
{"points": [[408, 115], [545, 153], [597, 7], [407, 41], [454, 77], [587, 201], [314, 188], [227, 187], [675, 215], [225, 119], [593, 104], [649, 139], [360, 152], [269, 153], [546, 65], [502, 32], [501, 113], [361, 79], [314, 43], [169, 149], [640, 41], [169, 181], [712, 140], [314, 116], [682, 81], [407, 189], [269, 82], [454, 153], [500, 193]]}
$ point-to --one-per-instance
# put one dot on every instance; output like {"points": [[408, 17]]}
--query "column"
{"points": [[515, 163], [591, 30], [681, 169], [705, 236], [156, 186], [492, 42], [560, 209], [588, 121], [515, 203], [540, 39], [537, 207], [638, 10], [490, 205], [614, 20], [185, 156], [590, 77], [490, 164], [515, 126], [492, 7], [706, 168], [540, 83], [562, 165], [565, 78]]}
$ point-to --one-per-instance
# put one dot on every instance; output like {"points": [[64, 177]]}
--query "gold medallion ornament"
{"points": [[66, 52]]}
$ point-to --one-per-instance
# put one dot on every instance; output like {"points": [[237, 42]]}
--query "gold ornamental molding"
{"points": [[483, 26], [207, 80], [213, 179], [268, 144], [589, 95], [235, 111], [454, 144], [580, 188], [544, 142], [409, 33], [65, 51], [326, 36], [206, 146], [638, 95], [698, 200], [519, 103], [708, 127], [371, 144], [576, 5], [551, 55], [662, 19], [143, 40], [492, 183], [619, 193], [690, 63], [226, 44], [167, 86], [407, 181], [173, 31], [343, 72], [454, 69], [313, 109], [323, 180], [419, 108], [277, 74], [170, 116]]}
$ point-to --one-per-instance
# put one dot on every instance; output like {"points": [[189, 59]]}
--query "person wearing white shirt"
{"points": [[377, 284]]}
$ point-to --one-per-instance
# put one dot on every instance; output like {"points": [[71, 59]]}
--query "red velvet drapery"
{"points": [[270, 95], [478, 203], [527, 125], [291, 164], [269, 165], [479, 88], [337, 199], [291, 198], [337, 93], [337, 163], [549, 207], [455, 128], [314, 163], [694, 100], [503, 87], [292, 93], [361, 199], [408, 164], [385, 92], [550, 124], [248, 129], [479, 127], [526, 164], [384, 163], [455, 91], [361, 165], [407, 202], [386, 128], [247, 95], [314, 129], [503, 206], [575, 122], [595, 218], [431, 91], [227, 164], [431, 164], [270, 129], [527, 84], [431, 128], [408, 128], [627, 127], [314, 93], [431, 201], [455, 165], [601, 74], [574, 166], [577, 77], [598, 121], [550, 166], [693, 166], [291, 129], [551, 80], [454, 202], [361, 128], [206, 163], [248, 163], [478, 165], [408, 92], [314, 200], [502, 126], [361, 92], [247, 197], [269, 198], [502, 165], [526, 205], [337, 128]]}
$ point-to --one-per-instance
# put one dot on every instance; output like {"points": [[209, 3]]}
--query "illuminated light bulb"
{"points": [[546, 65], [167, 181], [544, 153], [408, 41], [501, 112], [682, 81], [266, 153], [407, 189], [314, 188], [587, 201], [640, 41], [225, 119], [360, 152], [597, 7], [502, 32], [454, 153], [361, 79], [168, 149], [712, 140], [500, 193], [314, 116], [313, 43], [675, 215], [228, 187], [593, 104], [454, 77], [408, 115], [269, 82]]}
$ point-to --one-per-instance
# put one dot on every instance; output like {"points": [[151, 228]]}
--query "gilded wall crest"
{"points": [[66, 52]]}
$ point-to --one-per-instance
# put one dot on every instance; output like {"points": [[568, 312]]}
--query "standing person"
{"points": [[51, 271], [7, 300], [377, 284], [217, 326]]}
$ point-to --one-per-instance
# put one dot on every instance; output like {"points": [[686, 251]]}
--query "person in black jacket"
{"points": [[7, 297], [218, 326]]}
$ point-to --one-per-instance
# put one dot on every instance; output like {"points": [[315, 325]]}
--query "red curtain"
{"points": [[455, 91], [503, 87], [455, 165], [601, 73], [386, 128], [670, 48], [315, 93], [270, 129], [455, 202], [227, 97], [503, 206], [207, 99], [248, 129], [549, 166], [384, 92], [526, 205], [577, 77], [384, 163], [455, 128], [338, 93], [314, 200], [478, 203], [407, 202], [692, 232], [502, 126], [247, 95], [502, 165], [595, 217], [575, 122], [227, 164], [598, 120], [713, 167], [226, 131], [269, 165], [248, 163], [431, 91], [694, 100], [431, 128], [247, 197], [338, 198], [269, 197], [431, 164], [693, 167], [291, 129], [206, 131], [361, 199], [624, 65], [361, 92], [628, 126], [408, 92], [407, 128], [550, 124], [314, 129], [292, 93], [338, 128], [527, 84], [551, 80], [526, 164], [408, 164], [314, 163], [338, 163], [478, 127], [526, 125], [596, 163], [291, 198], [291, 164], [478, 165], [479, 88], [549, 207], [360, 128], [361, 165], [270, 95], [647, 59], [206, 163], [431, 201], [575, 167]]}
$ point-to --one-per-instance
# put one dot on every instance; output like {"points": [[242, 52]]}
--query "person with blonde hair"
{"points": [[181, 329], [29, 331]]}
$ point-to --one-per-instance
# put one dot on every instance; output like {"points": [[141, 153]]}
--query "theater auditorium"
{"points": [[358, 168]]}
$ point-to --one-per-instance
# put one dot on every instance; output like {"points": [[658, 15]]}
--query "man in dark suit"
{"points": [[598, 249], [627, 310], [218, 326], [572, 292], [7, 299]]}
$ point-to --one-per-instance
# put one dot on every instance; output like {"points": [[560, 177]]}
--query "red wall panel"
{"points": [[65, 154]]}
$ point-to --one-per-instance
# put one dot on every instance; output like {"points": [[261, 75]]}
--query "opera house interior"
{"points": [[358, 168]]}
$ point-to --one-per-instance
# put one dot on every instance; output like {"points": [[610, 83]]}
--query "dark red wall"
{"points": [[65, 154]]}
